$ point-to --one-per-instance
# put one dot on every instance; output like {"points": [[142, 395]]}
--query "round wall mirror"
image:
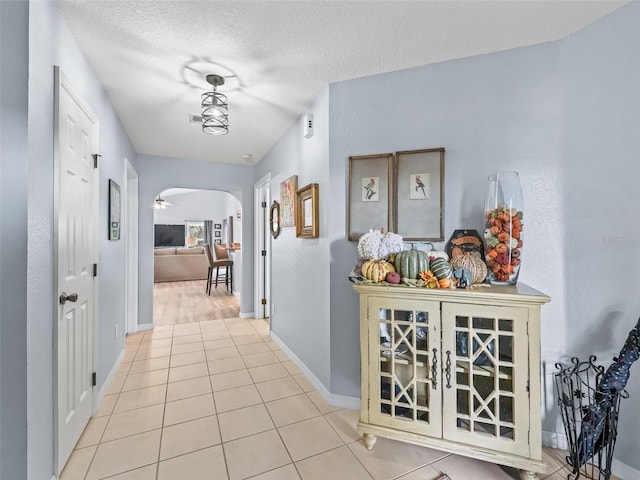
{"points": [[274, 219]]}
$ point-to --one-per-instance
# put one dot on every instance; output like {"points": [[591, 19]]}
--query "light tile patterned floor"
{"points": [[220, 400]]}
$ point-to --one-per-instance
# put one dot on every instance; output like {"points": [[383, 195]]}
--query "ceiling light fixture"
{"points": [[162, 203], [215, 112]]}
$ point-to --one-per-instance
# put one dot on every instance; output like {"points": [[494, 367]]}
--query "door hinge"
{"points": [[95, 269], [263, 253], [264, 204], [93, 379], [264, 301], [95, 159]]}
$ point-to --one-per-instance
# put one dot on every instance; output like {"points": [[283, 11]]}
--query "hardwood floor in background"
{"points": [[186, 302]]}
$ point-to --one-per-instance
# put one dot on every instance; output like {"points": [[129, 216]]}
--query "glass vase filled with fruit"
{"points": [[503, 228]]}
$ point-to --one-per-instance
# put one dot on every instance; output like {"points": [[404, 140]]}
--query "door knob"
{"points": [[73, 297]]}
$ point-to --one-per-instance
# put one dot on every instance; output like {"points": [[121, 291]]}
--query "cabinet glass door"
{"points": [[485, 361], [404, 355]]}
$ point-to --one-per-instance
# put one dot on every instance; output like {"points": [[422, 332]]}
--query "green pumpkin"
{"points": [[440, 268], [409, 263]]}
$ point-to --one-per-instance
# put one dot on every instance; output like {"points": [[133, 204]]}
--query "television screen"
{"points": [[169, 235]]}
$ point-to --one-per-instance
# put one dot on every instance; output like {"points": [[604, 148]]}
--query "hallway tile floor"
{"points": [[219, 400]]}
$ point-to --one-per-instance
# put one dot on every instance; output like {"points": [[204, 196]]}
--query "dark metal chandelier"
{"points": [[215, 110]]}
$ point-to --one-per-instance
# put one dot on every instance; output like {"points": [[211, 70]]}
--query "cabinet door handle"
{"points": [[434, 369], [448, 369]]}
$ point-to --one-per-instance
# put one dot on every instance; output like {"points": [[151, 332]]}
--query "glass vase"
{"points": [[503, 228]]}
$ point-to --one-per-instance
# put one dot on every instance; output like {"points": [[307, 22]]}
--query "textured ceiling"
{"points": [[277, 56]]}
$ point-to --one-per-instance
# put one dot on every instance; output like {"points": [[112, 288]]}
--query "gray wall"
{"points": [[566, 116], [300, 267], [14, 39], [51, 43], [600, 175], [156, 174], [492, 112]]}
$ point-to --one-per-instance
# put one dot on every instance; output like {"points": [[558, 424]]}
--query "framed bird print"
{"points": [[419, 195], [369, 197]]}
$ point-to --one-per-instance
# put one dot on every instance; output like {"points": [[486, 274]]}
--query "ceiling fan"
{"points": [[162, 203]]}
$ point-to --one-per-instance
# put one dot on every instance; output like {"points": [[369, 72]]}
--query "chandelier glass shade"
{"points": [[215, 110]]}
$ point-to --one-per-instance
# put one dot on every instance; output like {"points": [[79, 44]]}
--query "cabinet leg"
{"points": [[526, 475], [369, 440]]}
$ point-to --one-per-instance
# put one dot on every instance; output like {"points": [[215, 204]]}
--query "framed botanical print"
{"points": [[419, 195], [369, 196]]}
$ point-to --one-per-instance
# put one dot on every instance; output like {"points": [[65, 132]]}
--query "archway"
{"points": [[184, 220]]}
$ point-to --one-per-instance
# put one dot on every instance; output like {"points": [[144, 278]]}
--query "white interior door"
{"points": [[263, 248], [76, 141]]}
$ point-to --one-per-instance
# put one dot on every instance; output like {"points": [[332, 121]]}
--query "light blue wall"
{"points": [[491, 112], [14, 38], [600, 176], [566, 116], [156, 174], [300, 267], [51, 43]]}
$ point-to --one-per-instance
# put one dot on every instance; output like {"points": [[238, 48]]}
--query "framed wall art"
{"points": [[114, 210], [307, 212], [369, 196], [217, 226], [419, 195], [288, 190]]}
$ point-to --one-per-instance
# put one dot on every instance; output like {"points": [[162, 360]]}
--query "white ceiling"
{"points": [[277, 56]]}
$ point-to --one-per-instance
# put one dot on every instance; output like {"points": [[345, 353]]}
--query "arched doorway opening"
{"points": [[185, 220]]}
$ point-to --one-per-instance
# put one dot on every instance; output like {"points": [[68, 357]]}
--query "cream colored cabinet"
{"points": [[456, 370]]}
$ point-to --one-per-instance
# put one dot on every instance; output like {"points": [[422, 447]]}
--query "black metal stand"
{"points": [[590, 418]]}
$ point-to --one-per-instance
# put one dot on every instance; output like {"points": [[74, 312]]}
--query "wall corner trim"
{"points": [[144, 326], [247, 315]]}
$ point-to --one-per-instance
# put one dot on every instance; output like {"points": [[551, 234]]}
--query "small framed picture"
{"points": [[217, 226], [217, 241], [307, 221], [217, 233]]}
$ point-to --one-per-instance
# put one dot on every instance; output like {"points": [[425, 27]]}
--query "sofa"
{"points": [[179, 264]]}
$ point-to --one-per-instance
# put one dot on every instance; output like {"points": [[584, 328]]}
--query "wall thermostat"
{"points": [[308, 125]]}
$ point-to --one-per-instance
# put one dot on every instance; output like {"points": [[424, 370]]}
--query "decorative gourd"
{"points": [[409, 263], [433, 253], [376, 270], [440, 268], [393, 278], [472, 263]]}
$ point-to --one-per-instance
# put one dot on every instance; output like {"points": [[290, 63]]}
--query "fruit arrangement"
{"points": [[503, 241]]}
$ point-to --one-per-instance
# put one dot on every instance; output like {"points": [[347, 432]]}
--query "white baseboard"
{"points": [[624, 471], [247, 315], [344, 401], [144, 326], [333, 399], [554, 440], [107, 381]]}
